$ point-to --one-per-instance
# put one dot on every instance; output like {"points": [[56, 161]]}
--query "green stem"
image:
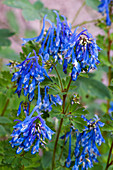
{"points": [[77, 13], [61, 122], [69, 85], [5, 107], [55, 146], [87, 22]]}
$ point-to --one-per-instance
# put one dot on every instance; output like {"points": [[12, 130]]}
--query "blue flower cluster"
{"points": [[104, 7], [28, 75], [33, 129], [85, 150], [77, 50]]}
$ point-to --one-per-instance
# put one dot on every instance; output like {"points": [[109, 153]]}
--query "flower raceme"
{"points": [[33, 129], [85, 150], [75, 51], [28, 76], [104, 7]]}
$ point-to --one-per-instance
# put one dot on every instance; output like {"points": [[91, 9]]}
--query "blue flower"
{"points": [[111, 109], [78, 51], [87, 140], [68, 161], [39, 38], [85, 149], [28, 76], [48, 101], [25, 108], [31, 132], [104, 7]]}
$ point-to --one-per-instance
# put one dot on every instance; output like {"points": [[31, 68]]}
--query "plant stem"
{"points": [[109, 81], [109, 157], [87, 22], [61, 122], [77, 13], [69, 85], [109, 69], [5, 107], [55, 146]]}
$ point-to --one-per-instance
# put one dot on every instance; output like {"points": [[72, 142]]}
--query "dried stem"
{"points": [[77, 13]]}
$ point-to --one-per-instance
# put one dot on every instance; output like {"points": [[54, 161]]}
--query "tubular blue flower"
{"points": [[28, 76], [48, 101], [31, 130], [66, 136], [19, 109], [87, 140], [39, 38], [75, 50], [85, 150], [68, 161], [56, 99], [25, 108], [104, 7], [111, 109]]}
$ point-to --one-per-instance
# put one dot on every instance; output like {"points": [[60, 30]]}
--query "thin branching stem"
{"points": [[77, 13], [110, 151], [88, 22], [60, 125]]}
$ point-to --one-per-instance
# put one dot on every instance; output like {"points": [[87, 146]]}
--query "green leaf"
{"points": [[4, 120], [30, 33], [5, 42], [78, 125], [84, 75], [31, 14], [46, 159], [9, 54], [92, 87], [12, 21], [4, 33], [2, 131], [93, 4], [29, 11], [110, 87], [38, 5], [25, 162], [107, 127], [18, 3]]}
